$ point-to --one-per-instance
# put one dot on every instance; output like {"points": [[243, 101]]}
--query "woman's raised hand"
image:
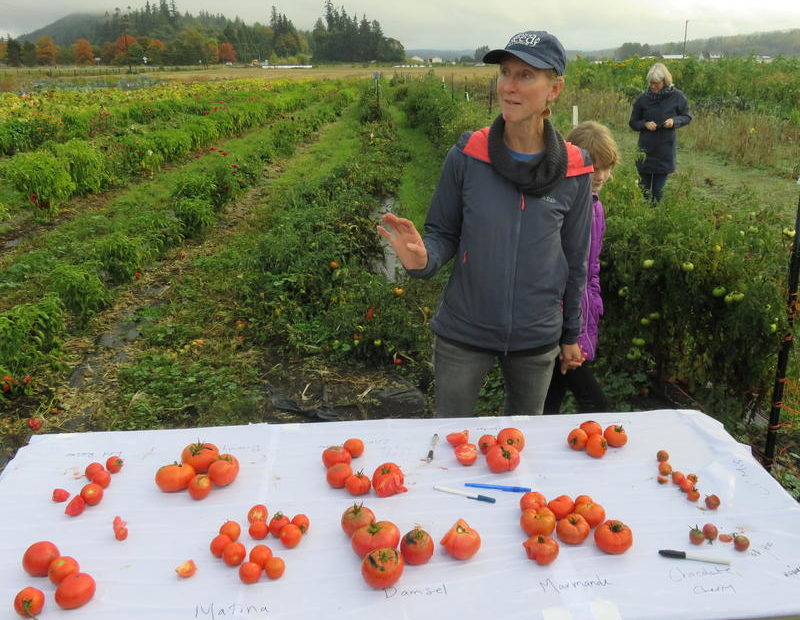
{"points": [[405, 240]]}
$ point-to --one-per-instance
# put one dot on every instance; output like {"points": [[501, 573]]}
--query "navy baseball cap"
{"points": [[538, 48]]}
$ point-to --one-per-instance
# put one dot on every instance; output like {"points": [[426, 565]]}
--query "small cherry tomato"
{"points": [[274, 567], [101, 477], [290, 535], [712, 502], [75, 506], [258, 512], [258, 530], [234, 553], [486, 442], [231, 529], [113, 464], [92, 494], [218, 543], [301, 521], [249, 572], [60, 495], [186, 569], [260, 554], [277, 522], [91, 468]]}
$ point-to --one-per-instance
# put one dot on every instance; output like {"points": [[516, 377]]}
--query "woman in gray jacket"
{"points": [[513, 209]]}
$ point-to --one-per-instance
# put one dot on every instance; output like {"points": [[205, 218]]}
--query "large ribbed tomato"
{"points": [[461, 541]]}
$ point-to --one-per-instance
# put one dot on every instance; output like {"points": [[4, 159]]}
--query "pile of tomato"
{"points": [[201, 468], [572, 521], [687, 483], [710, 532], [376, 543], [92, 493], [502, 451], [73, 588], [595, 440], [387, 479]]}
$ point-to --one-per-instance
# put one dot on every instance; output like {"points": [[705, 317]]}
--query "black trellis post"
{"points": [[786, 346]]}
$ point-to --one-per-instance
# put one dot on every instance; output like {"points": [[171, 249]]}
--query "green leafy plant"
{"points": [[80, 289]]}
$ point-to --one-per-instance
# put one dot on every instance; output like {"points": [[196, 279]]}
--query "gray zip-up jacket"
{"points": [[520, 260]]}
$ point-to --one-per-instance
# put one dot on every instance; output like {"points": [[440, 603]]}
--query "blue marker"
{"points": [[499, 487]]}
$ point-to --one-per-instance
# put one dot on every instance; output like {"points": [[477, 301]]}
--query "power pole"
{"points": [[685, 30]]}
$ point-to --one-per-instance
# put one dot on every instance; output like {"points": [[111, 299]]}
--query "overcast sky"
{"points": [[467, 24]]}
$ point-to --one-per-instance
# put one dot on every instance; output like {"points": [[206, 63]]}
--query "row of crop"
{"points": [[74, 274], [27, 121], [50, 175], [693, 289]]}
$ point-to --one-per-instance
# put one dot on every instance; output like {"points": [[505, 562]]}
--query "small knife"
{"points": [[683, 555], [434, 441]]}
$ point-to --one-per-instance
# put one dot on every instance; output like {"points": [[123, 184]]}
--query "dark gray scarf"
{"points": [[537, 177]]}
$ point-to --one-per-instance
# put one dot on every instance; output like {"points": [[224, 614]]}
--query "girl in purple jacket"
{"points": [[597, 140]]}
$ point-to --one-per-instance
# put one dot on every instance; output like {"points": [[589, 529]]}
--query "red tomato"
{"points": [[696, 536], [573, 529], [29, 602], [258, 530], [358, 484], [200, 455], [277, 522], [590, 427], [75, 506], [416, 546], [92, 468], [62, 566], [512, 437], [290, 535], [467, 453], [231, 529], [101, 477], [335, 454], [218, 543], [224, 470], [456, 439], [594, 513], [712, 502], [258, 512], [741, 542], [461, 541], [561, 506], [113, 464], [486, 442], [301, 521], [355, 517], [92, 494], [374, 536], [337, 475], [615, 435], [174, 477], [613, 537], [75, 591], [36, 559], [501, 458], [186, 569], [249, 572], [60, 495], [274, 567], [234, 553], [539, 520], [577, 439], [260, 554], [199, 486], [382, 567], [355, 447], [388, 480], [541, 548], [532, 499]]}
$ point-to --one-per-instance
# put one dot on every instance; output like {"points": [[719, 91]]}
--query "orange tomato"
{"points": [[613, 537], [186, 569], [664, 468], [577, 439], [541, 548], [594, 513], [461, 541], [234, 553], [596, 445], [274, 567], [290, 535], [75, 590], [218, 543], [301, 521], [354, 446], [335, 454], [573, 529], [512, 437], [561, 506], [486, 442], [337, 475], [231, 529], [502, 458], [532, 499], [224, 470], [615, 435], [199, 486], [260, 554], [677, 476], [200, 455], [249, 572], [456, 439], [174, 477], [590, 427], [62, 567], [258, 530], [535, 521]]}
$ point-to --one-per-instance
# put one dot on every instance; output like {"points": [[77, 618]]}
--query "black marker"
{"points": [[683, 555]]}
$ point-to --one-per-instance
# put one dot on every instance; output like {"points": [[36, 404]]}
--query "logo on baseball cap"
{"points": [[538, 48]]}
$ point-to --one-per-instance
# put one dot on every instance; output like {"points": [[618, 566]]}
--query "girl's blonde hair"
{"points": [[596, 139]]}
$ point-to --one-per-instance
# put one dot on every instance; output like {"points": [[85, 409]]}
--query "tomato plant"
{"points": [[388, 480], [416, 546], [174, 477], [36, 559], [541, 548], [75, 591], [461, 541], [29, 602], [62, 567], [540, 520], [335, 454], [613, 537], [373, 536], [467, 453], [501, 458], [356, 516], [382, 567], [200, 455], [358, 484], [573, 529], [512, 437]]}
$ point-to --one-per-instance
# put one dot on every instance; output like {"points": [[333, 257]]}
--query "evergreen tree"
{"points": [[13, 53]]}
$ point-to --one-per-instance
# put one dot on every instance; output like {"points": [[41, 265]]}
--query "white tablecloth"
{"points": [[281, 467]]}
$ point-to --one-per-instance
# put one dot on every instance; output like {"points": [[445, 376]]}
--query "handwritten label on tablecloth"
{"points": [[416, 592], [706, 579], [233, 611]]}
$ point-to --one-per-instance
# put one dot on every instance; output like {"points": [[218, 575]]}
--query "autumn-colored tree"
{"points": [[227, 53], [3, 50], [84, 54], [122, 48], [46, 51]]}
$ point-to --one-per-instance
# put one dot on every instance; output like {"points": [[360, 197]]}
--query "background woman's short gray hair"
{"points": [[658, 72]]}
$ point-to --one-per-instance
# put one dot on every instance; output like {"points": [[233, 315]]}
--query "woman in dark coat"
{"points": [[657, 113]]}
